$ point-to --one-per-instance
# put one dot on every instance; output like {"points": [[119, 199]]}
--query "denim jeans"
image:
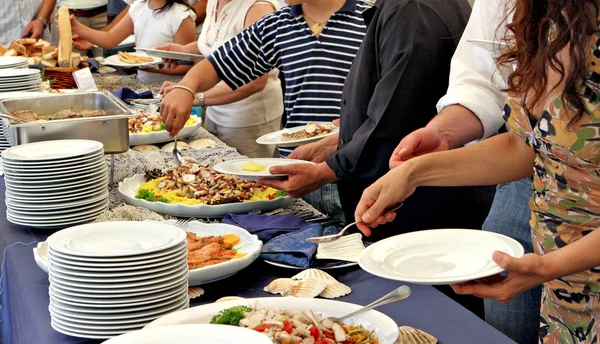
{"points": [[510, 214], [327, 200]]}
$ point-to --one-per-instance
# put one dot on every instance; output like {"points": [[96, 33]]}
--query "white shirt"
{"points": [[259, 108], [155, 29], [475, 81], [15, 15]]}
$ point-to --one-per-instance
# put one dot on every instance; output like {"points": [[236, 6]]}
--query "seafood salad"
{"points": [[287, 327], [198, 184], [312, 129], [211, 250], [146, 123]]}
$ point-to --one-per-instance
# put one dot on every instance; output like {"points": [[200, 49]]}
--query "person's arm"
{"points": [[35, 28], [186, 34], [223, 94], [116, 20], [246, 57], [200, 8], [104, 39]]}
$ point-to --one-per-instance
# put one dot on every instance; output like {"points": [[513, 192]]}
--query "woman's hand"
{"points": [[169, 63], [74, 22], [524, 273], [175, 109], [391, 189], [81, 44], [167, 87], [419, 142]]}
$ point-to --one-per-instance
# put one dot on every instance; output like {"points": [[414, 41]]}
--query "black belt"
{"points": [[88, 13]]}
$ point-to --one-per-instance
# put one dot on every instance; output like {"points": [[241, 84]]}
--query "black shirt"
{"points": [[399, 74]]}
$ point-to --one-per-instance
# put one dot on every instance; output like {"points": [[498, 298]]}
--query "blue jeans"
{"points": [[327, 200], [509, 215]]}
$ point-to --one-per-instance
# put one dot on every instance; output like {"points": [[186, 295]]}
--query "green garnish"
{"points": [[280, 193], [161, 127], [230, 316], [150, 196]]}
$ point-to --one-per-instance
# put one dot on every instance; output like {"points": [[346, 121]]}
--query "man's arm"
{"points": [[35, 28]]}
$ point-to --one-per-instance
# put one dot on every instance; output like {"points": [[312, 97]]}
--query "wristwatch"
{"points": [[200, 96], [44, 21]]}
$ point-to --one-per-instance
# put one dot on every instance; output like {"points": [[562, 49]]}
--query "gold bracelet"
{"points": [[185, 88]]}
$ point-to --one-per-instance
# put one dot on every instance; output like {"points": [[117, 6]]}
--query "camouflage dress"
{"points": [[566, 202]]}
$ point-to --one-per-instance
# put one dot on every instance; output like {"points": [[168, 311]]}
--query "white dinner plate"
{"points": [[236, 167], [100, 182], [116, 239], [73, 173], [125, 295], [67, 179], [128, 189], [56, 221], [191, 334], [52, 150], [102, 329], [59, 314], [249, 244], [93, 302], [438, 256], [385, 328], [87, 211], [169, 54], [51, 165], [12, 60], [495, 48], [50, 199], [18, 73], [275, 138], [124, 261], [121, 308], [116, 62], [51, 225], [163, 136], [32, 207]]}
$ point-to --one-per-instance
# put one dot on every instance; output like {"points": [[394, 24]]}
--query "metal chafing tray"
{"points": [[111, 129]]}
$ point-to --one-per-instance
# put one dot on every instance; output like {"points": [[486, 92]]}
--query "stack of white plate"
{"points": [[107, 278], [12, 62], [4, 144], [54, 184], [13, 80]]}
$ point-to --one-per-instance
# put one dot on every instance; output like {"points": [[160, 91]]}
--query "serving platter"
{"points": [[275, 138], [128, 189], [163, 136]]}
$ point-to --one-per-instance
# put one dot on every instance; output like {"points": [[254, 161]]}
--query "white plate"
{"points": [[163, 136], [102, 329], [286, 266], [27, 215], [33, 166], [116, 62], [94, 184], [40, 254], [133, 293], [385, 328], [18, 73], [116, 239], [495, 48], [169, 54], [61, 180], [42, 198], [121, 263], [52, 150], [235, 167], [438, 256], [12, 60], [105, 323], [51, 225], [58, 221], [274, 138], [54, 172], [249, 244], [128, 189], [94, 302], [120, 308], [84, 4], [189, 334], [60, 206]]}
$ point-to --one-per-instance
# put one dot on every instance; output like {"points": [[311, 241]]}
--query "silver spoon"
{"points": [[332, 237], [177, 154], [397, 294]]}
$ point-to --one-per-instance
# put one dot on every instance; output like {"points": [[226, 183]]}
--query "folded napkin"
{"points": [[292, 248], [127, 93], [264, 226]]}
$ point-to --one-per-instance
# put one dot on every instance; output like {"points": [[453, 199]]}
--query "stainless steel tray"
{"points": [[112, 129]]}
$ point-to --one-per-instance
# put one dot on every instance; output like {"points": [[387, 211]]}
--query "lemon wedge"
{"points": [[253, 167]]}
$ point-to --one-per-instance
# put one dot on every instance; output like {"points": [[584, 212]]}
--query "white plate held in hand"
{"points": [[276, 138], [236, 167]]}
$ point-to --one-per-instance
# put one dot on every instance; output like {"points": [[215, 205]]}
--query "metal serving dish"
{"points": [[111, 129]]}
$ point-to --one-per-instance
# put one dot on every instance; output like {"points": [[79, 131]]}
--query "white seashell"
{"points": [[229, 298], [335, 290], [305, 288], [194, 292], [315, 274], [410, 335], [278, 286]]}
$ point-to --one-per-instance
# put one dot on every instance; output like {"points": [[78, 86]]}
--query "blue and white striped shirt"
{"points": [[314, 67]]}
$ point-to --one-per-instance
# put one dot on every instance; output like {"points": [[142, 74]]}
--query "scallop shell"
{"points": [[229, 298], [411, 335], [333, 289], [194, 292], [290, 287]]}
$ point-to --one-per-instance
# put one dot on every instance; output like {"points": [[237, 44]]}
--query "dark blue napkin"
{"points": [[127, 93], [292, 248], [264, 226]]}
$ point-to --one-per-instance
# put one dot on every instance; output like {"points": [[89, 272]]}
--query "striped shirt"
{"points": [[314, 67]]}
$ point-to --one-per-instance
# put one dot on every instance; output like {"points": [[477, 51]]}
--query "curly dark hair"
{"points": [[539, 32]]}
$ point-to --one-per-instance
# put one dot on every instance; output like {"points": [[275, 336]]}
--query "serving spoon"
{"points": [[177, 154], [332, 237], [397, 294]]}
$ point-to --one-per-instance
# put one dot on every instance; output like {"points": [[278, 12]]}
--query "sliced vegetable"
{"points": [[150, 196], [230, 316]]}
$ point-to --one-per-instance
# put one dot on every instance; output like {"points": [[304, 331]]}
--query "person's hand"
{"points": [[34, 29], [419, 142], [74, 22], [175, 109], [387, 191], [336, 122], [302, 178], [316, 151], [169, 63], [81, 44], [167, 87], [524, 273]]}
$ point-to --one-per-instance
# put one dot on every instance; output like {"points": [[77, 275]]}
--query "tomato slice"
{"points": [[287, 327], [261, 328], [314, 332]]}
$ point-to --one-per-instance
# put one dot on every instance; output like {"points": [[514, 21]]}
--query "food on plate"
{"points": [[147, 123], [252, 166], [210, 250], [65, 44], [312, 129], [194, 184], [63, 114], [133, 59], [180, 145], [309, 283], [202, 143], [42, 52], [145, 148], [287, 327]]}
